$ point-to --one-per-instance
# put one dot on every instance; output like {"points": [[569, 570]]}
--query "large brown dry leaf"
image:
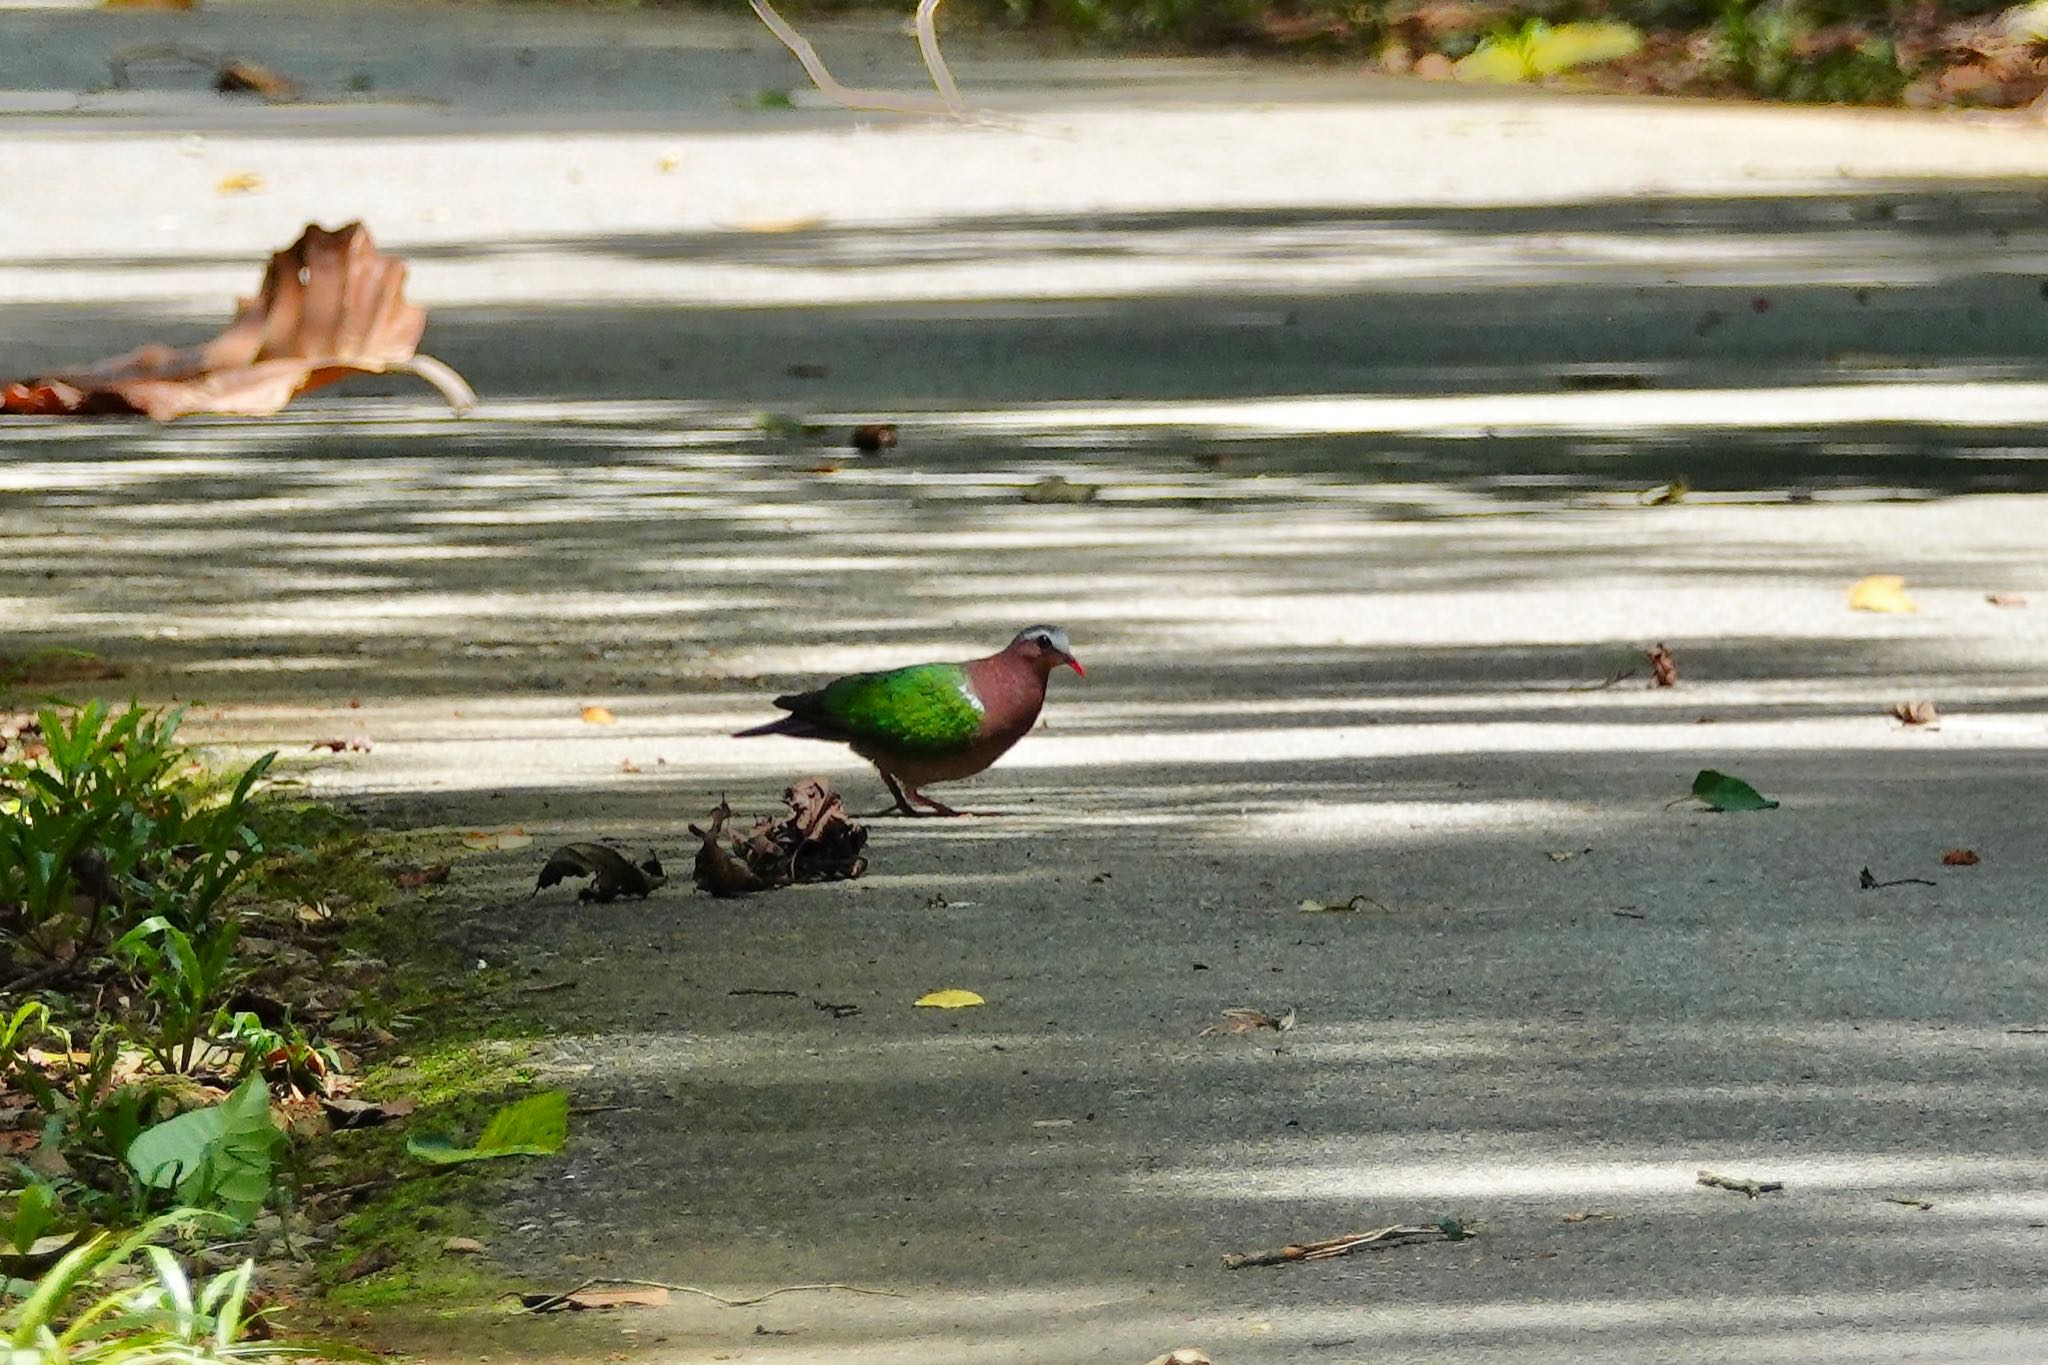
{"points": [[331, 306], [816, 842]]}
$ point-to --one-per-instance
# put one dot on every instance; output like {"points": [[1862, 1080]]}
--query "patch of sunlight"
{"points": [[1489, 415], [272, 663], [459, 612], [1629, 695], [1332, 821], [1510, 1169], [33, 476]]}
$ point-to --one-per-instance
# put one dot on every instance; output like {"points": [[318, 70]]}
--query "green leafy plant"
{"points": [[73, 1316], [1537, 50], [37, 1209], [534, 1126], [221, 1158], [1768, 47], [86, 1113], [185, 977], [111, 825]]}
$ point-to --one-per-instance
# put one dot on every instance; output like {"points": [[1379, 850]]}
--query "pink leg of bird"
{"points": [[906, 794]]}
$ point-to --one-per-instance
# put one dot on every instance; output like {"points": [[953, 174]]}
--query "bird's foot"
{"points": [[937, 807]]}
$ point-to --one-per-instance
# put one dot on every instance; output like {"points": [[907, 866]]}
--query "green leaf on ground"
{"points": [[534, 1126], [1722, 792]]}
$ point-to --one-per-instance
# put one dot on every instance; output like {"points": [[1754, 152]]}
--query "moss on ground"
{"points": [[463, 1053]]}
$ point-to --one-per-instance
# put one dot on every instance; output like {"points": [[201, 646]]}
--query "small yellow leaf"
{"points": [[599, 715], [496, 840], [1880, 592], [779, 226], [955, 999], [242, 182]]}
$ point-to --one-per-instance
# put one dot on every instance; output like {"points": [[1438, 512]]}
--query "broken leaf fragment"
{"points": [[1880, 592], [599, 715], [1248, 1020], [1057, 489], [344, 1112], [1357, 903], [1724, 793], [534, 1126], [331, 306], [496, 840], [952, 999]]}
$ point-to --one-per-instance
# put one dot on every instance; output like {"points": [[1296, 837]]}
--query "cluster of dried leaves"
{"points": [[331, 306], [816, 842]]}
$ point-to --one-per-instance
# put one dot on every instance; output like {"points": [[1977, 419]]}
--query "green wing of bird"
{"points": [[928, 710]]}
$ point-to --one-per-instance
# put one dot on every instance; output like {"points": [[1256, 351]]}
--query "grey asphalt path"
{"points": [[1371, 378]]}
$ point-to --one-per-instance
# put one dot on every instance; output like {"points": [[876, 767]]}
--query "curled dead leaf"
{"points": [[331, 306], [1663, 668], [1960, 857], [252, 78], [599, 715], [2006, 599], [611, 874], [1914, 713], [874, 436]]}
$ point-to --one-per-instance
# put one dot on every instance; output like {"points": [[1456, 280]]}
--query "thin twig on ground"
{"points": [[1397, 1235], [1752, 1188], [554, 1301]]}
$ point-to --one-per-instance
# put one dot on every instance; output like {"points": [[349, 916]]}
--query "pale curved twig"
{"points": [[452, 386], [847, 97], [934, 60]]}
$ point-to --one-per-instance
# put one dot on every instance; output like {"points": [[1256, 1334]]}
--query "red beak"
{"points": [[1075, 664]]}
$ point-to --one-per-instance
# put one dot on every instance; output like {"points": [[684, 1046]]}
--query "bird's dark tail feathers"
{"points": [[796, 726]]}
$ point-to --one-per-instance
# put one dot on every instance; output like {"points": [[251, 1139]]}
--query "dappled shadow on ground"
{"points": [[629, 549], [1497, 1034], [1309, 680]]}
